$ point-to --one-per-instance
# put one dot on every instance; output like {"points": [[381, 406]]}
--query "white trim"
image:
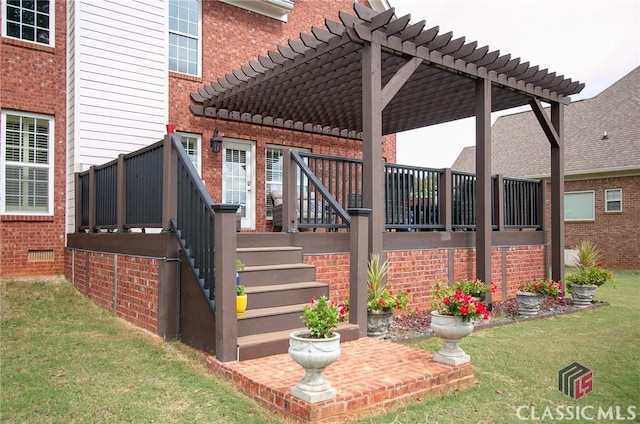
{"points": [[249, 222], [606, 201], [276, 9], [198, 138], [593, 206], [198, 40], [52, 25], [51, 162]]}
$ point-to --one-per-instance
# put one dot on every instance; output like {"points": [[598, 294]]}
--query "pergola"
{"points": [[374, 74]]}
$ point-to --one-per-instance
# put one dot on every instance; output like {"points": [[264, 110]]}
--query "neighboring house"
{"points": [[602, 167], [85, 81]]}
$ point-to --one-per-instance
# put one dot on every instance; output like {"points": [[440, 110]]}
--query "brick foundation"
{"points": [[418, 270], [125, 285]]}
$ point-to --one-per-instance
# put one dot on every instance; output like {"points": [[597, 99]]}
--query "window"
{"points": [[27, 163], [613, 200], [274, 174], [29, 20], [191, 143], [579, 206], [184, 36]]}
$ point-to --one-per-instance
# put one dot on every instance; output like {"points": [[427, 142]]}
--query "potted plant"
{"points": [[588, 276], [316, 348], [475, 288], [452, 316], [382, 301], [241, 296], [531, 293]]}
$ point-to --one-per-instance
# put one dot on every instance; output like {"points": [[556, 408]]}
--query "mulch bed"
{"points": [[417, 326]]}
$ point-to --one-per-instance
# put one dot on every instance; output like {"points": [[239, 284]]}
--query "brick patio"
{"points": [[369, 375]]}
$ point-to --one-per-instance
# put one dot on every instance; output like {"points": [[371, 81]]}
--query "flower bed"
{"points": [[416, 326]]}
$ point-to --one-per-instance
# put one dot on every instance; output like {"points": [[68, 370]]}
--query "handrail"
{"points": [[333, 204]]}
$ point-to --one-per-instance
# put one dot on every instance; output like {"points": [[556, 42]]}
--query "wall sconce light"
{"points": [[215, 141], [605, 135]]}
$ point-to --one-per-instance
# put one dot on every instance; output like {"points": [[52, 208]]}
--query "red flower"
{"points": [[446, 301], [464, 310], [381, 302]]}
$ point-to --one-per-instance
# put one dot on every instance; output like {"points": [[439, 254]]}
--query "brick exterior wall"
{"points": [[34, 81], [420, 269], [615, 233], [126, 285], [230, 46]]}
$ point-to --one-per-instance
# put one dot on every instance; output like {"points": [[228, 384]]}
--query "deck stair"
{"points": [[278, 284]]}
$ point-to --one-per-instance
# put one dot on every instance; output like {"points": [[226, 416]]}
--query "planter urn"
{"points": [[313, 355], [451, 329], [583, 294], [378, 323], [528, 303]]}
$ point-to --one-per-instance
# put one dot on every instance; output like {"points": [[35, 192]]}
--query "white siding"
{"points": [[117, 74]]}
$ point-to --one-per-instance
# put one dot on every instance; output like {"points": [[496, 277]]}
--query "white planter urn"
{"points": [[583, 294], [450, 329], [529, 303], [314, 355]]}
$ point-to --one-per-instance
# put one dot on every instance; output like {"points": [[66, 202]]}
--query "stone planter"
{"points": [[529, 303], [378, 323], [450, 329], [583, 294], [314, 355]]}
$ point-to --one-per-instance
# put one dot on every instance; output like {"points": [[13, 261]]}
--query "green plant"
{"points": [[587, 256], [239, 287], [381, 297], [596, 276], [322, 316], [451, 301], [543, 286], [475, 288]]}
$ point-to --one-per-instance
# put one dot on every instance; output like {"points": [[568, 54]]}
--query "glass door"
{"points": [[238, 179]]}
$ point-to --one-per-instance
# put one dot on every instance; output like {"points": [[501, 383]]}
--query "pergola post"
{"points": [[372, 169], [557, 193], [483, 180], [358, 268], [554, 130]]}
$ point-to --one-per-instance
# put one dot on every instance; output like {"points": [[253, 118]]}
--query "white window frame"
{"points": [[267, 181], [593, 209], [198, 39], [49, 166], [607, 200], [52, 25], [197, 159]]}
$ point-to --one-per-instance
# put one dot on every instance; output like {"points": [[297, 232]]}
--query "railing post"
{"points": [[542, 205], [92, 199], [498, 201], [289, 193], [225, 288], [445, 200], [169, 184], [121, 195], [78, 202], [359, 248]]}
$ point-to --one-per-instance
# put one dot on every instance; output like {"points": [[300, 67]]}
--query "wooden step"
{"points": [[277, 342], [266, 320], [262, 275], [283, 294], [255, 256]]}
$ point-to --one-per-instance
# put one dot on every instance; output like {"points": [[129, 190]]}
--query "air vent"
{"points": [[40, 255]]}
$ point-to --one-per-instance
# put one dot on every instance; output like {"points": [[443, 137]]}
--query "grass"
{"points": [[65, 360]]}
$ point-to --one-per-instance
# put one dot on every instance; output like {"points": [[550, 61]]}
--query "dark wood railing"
{"points": [[414, 197]]}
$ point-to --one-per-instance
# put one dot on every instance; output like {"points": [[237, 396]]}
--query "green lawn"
{"points": [[65, 360]]}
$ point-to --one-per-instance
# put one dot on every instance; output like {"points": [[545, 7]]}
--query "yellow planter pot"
{"points": [[241, 304]]}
